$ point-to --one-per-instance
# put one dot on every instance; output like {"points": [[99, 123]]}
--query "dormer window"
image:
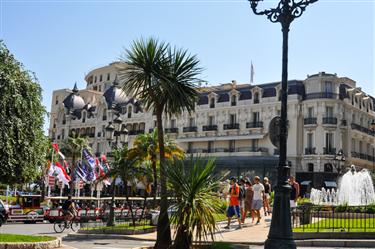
{"points": [[130, 111], [234, 100], [256, 98], [212, 102]]}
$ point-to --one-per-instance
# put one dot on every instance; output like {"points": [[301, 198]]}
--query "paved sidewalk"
{"points": [[249, 234]]}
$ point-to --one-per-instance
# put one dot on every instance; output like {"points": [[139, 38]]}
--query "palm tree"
{"points": [[72, 147], [164, 79], [146, 148], [124, 168], [195, 186]]}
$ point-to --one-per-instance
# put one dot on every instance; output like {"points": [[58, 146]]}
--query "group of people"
{"points": [[247, 197]]}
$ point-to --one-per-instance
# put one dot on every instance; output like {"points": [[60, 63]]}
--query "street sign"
{"points": [[274, 130]]}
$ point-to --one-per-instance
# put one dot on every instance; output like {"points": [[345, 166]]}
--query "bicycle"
{"points": [[60, 226]]}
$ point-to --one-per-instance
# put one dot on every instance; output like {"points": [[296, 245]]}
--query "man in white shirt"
{"points": [[257, 204]]}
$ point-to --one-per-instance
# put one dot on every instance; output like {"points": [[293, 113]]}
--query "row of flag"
{"points": [[87, 170]]}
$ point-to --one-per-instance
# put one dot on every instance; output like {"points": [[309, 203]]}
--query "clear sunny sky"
{"points": [[63, 40]]}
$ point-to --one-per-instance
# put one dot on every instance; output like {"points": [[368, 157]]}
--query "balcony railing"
{"points": [[330, 120], [190, 129], [209, 128], [91, 135], [226, 150], [362, 156], [362, 129], [254, 124], [310, 151], [310, 121], [171, 130], [136, 132], [322, 95], [329, 151], [231, 126]]}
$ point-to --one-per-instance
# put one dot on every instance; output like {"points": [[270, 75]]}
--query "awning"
{"points": [[330, 184], [305, 183]]}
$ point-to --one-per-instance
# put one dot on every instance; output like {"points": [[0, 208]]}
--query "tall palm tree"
{"points": [[72, 147], [195, 187], [164, 79], [146, 148]]}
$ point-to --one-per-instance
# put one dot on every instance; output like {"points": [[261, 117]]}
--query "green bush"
{"points": [[341, 208], [371, 208]]}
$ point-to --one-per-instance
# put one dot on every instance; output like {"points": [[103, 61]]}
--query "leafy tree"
{"points": [[22, 140], [194, 185], [146, 148], [164, 79]]}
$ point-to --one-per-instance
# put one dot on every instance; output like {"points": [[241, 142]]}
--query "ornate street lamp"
{"points": [[339, 157], [373, 148], [280, 234]]}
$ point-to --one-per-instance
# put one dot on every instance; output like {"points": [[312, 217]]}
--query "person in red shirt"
{"points": [[234, 204]]}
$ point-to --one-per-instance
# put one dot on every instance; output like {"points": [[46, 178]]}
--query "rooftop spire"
{"points": [[75, 88]]}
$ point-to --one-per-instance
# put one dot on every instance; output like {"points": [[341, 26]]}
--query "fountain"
{"points": [[355, 188]]}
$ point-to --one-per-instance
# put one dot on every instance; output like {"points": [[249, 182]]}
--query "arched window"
{"points": [[328, 168], [256, 98]]}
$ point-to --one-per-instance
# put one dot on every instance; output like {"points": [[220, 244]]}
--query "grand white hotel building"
{"points": [[326, 113]]}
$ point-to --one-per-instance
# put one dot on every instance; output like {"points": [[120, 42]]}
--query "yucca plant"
{"points": [[194, 184]]}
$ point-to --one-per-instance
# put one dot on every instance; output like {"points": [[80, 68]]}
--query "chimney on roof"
{"points": [[234, 84]]}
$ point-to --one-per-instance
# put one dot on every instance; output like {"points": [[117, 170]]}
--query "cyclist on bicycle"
{"points": [[68, 209]]}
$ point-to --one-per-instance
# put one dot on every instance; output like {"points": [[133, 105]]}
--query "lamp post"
{"points": [[339, 157], [280, 234], [373, 146], [114, 131]]}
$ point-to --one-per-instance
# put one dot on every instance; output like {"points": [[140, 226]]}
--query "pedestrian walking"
{"points": [[257, 204], [242, 197], [234, 205], [248, 201], [267, 196]]}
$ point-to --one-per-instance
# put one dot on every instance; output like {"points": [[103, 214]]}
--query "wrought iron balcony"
{"points": [[255, 124], [310, 121], [231, 126], [310, 151], [322, 95], [330, 120], [360, 128], [329, 151], [209, 128], [190, 129], [91, 135], [171, 130], [136, 132]]}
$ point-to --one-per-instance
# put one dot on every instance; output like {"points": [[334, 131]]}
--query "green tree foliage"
{"points": [[22, 142], [164, 79], [195, 186]]}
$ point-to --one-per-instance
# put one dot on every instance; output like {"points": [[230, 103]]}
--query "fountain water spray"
{"points": [[354, 189]]}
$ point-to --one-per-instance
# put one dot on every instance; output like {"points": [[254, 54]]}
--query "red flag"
{"points": [[55, 147]]}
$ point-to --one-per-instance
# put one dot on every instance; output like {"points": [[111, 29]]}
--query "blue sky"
{"points": [[63, 40]]}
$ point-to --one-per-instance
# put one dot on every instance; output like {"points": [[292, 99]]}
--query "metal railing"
{"points": [[362, 156], [313, 218], [360, 128], [171, 130], [329, 151], [209, 128], [136, 132], [254, 124], [309, 121], [310, 151], [322, 95], [330, 120], [190, 129], [231, 126]]}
